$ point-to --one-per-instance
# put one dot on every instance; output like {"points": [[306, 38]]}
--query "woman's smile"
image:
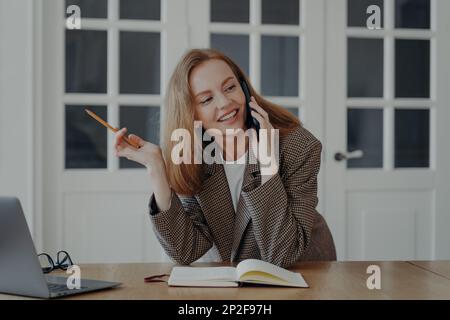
{"points": [[229, 117]]}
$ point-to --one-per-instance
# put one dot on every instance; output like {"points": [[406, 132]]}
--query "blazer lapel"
{"points": [[252, 179], [217, 206]]}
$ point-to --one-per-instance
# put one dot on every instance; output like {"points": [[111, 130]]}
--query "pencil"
{"points": [[106, 124]]}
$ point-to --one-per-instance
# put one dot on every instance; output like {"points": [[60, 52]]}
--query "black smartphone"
{"points": [[250, 122]]}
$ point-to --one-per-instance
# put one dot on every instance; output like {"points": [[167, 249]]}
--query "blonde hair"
{"points": [[187, 179]]}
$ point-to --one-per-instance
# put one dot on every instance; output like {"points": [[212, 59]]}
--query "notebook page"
{"points": [[250, 265], [203, 283], [203, 273]]}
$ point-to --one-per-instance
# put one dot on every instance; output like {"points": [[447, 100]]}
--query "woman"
{"points": [[231, 211]]}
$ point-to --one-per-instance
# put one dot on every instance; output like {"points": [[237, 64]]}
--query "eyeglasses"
{"points": [[63, 261]]}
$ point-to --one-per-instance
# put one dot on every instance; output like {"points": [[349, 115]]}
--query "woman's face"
{"points": [[219, 99]]}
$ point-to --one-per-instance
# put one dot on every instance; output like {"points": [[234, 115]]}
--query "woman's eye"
{"points": [[231, 87], [206, 100]]}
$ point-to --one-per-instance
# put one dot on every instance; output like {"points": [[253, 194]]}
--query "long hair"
{"points": [[186, 179]]}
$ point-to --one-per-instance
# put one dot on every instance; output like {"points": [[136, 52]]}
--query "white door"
{"points": [[95, 206], [387, 96]]}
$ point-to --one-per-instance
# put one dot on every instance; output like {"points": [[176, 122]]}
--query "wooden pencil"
{"points": [[106, 124]]}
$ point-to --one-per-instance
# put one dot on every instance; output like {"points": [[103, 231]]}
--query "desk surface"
{"points": [[327, 280], [441, 268]]}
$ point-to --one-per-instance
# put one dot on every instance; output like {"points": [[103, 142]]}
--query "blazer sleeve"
{"points": [[284, 207], [182, 229]]}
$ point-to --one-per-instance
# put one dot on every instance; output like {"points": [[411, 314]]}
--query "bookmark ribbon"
{"points": [[156, 278]]}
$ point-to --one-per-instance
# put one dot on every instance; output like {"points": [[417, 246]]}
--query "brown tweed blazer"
{"points": [[276, 222]]}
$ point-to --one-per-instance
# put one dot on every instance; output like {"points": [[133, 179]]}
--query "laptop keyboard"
{"points": [[56, 288]]}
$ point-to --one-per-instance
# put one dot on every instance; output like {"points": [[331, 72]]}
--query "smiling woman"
{"points": [[233, 212]]}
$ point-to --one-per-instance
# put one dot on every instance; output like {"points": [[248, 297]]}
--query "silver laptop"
{"points": [[20, 270]]}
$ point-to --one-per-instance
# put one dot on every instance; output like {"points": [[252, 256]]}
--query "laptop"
{"points": [[20, 270]]}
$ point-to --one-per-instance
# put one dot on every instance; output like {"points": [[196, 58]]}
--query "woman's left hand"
{"points": [[268, 167]]}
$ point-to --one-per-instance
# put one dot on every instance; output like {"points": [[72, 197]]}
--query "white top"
{"points": [[234, 170]]}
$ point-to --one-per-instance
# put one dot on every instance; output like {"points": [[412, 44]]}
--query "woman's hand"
{"points": [[260, 114], [149, 154], [268, 143]]}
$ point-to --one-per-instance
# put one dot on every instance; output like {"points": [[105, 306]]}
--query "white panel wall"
{"points": [[16, 103], [392, 225]]}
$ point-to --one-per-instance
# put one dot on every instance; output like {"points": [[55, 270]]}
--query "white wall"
{"points": [[16, 102]]}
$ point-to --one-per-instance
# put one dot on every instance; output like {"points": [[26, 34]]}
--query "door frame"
{"points": [[442, 198]]}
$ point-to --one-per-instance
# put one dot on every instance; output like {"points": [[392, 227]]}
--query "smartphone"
{"points": [[250, 122]]}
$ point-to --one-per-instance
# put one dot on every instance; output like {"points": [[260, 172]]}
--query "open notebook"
{"points": [[247, 271]]}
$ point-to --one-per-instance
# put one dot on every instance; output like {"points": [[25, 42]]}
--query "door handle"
{"points": [[339, 156]]}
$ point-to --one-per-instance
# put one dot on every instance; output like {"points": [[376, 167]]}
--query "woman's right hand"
{"points": [[149, 154]]}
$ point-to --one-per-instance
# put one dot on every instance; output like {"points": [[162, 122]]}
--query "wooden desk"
{"points": [[327, 280], [441, 268]]}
